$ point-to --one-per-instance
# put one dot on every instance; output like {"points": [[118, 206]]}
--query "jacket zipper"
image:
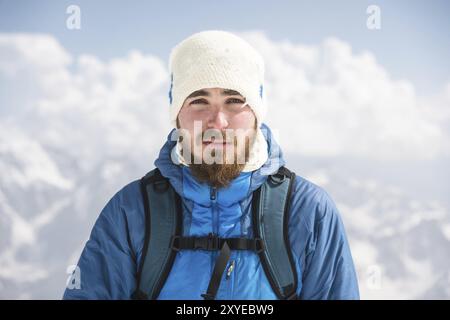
{"points": [[213, 198], [229, 275]]}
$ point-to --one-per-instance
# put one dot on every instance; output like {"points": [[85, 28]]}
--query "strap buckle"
{"points": [[175, 243], [139, 295], [259, 245], [207, 296], [277, 178], [212, 242], [293, 296]]}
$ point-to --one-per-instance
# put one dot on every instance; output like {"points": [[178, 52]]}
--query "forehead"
{"points": [[208, 93]]}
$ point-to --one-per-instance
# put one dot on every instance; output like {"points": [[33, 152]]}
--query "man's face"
{"points": [[221, 130]]}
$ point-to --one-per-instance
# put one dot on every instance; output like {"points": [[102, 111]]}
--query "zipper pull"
{"points": [[213, 193], [230, 270]]}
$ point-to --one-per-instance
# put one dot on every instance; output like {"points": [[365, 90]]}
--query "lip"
{"points": [[215, 143]]}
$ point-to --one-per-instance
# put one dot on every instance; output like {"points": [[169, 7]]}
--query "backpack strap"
{"points": [[270, 210], [162, 206], [219, 269]]}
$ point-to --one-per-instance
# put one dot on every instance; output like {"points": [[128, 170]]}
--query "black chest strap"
{"points": [[213, 243]]}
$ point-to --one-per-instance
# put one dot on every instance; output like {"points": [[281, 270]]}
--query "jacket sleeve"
{"points": [[107, 265], [329, 272]]}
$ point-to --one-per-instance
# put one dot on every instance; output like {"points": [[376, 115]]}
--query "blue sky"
{"points": [[412, 43]]}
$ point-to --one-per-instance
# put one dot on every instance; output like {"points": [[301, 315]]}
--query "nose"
{"points": [[218, 120]]}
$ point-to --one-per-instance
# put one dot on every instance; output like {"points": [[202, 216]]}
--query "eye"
{"points": [[234, 100], [199, 101]]}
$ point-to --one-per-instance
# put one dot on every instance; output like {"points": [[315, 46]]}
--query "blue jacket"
{"points": [[325, 269]]}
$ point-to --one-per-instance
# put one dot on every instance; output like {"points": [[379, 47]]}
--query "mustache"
{"points": [[228, 136]]}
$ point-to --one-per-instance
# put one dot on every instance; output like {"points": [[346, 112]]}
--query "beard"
{"points": [[221, 174]]}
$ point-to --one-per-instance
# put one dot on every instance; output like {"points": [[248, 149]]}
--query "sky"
{"points": [[412, 42], [363, 113]]}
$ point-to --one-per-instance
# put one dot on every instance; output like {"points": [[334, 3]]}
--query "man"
{"points": [[219, 155]]}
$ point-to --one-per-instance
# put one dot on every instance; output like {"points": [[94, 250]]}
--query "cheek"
{"points": [[189, 119], [183, 117], [244, 120]]}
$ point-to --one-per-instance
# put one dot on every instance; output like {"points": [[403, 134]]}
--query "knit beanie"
{"points": [[216, 59]]}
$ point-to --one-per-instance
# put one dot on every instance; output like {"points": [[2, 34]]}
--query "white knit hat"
{"points": [[216, 59]]}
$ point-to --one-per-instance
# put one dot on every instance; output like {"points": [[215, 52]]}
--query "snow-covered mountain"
{"points": [[399, 242]]}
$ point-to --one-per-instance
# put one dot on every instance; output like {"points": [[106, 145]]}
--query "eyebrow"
{"points": [[225, 92]]}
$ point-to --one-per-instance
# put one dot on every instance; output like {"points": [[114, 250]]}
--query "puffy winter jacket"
{"points": [[108, 263]]}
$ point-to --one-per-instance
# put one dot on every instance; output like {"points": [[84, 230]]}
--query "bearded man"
{"points": [[220, 217]]}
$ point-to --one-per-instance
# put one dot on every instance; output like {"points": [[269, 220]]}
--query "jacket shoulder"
{"points": [[125, 211], [310, 203]]}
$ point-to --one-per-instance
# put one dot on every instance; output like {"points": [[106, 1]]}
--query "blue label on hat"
{"points": [[171, 86]]}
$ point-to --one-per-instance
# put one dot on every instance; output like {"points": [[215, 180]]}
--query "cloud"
{"points": [[333, 102], [93, 109], [70, 125], [28, 163], [329, 100]]}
